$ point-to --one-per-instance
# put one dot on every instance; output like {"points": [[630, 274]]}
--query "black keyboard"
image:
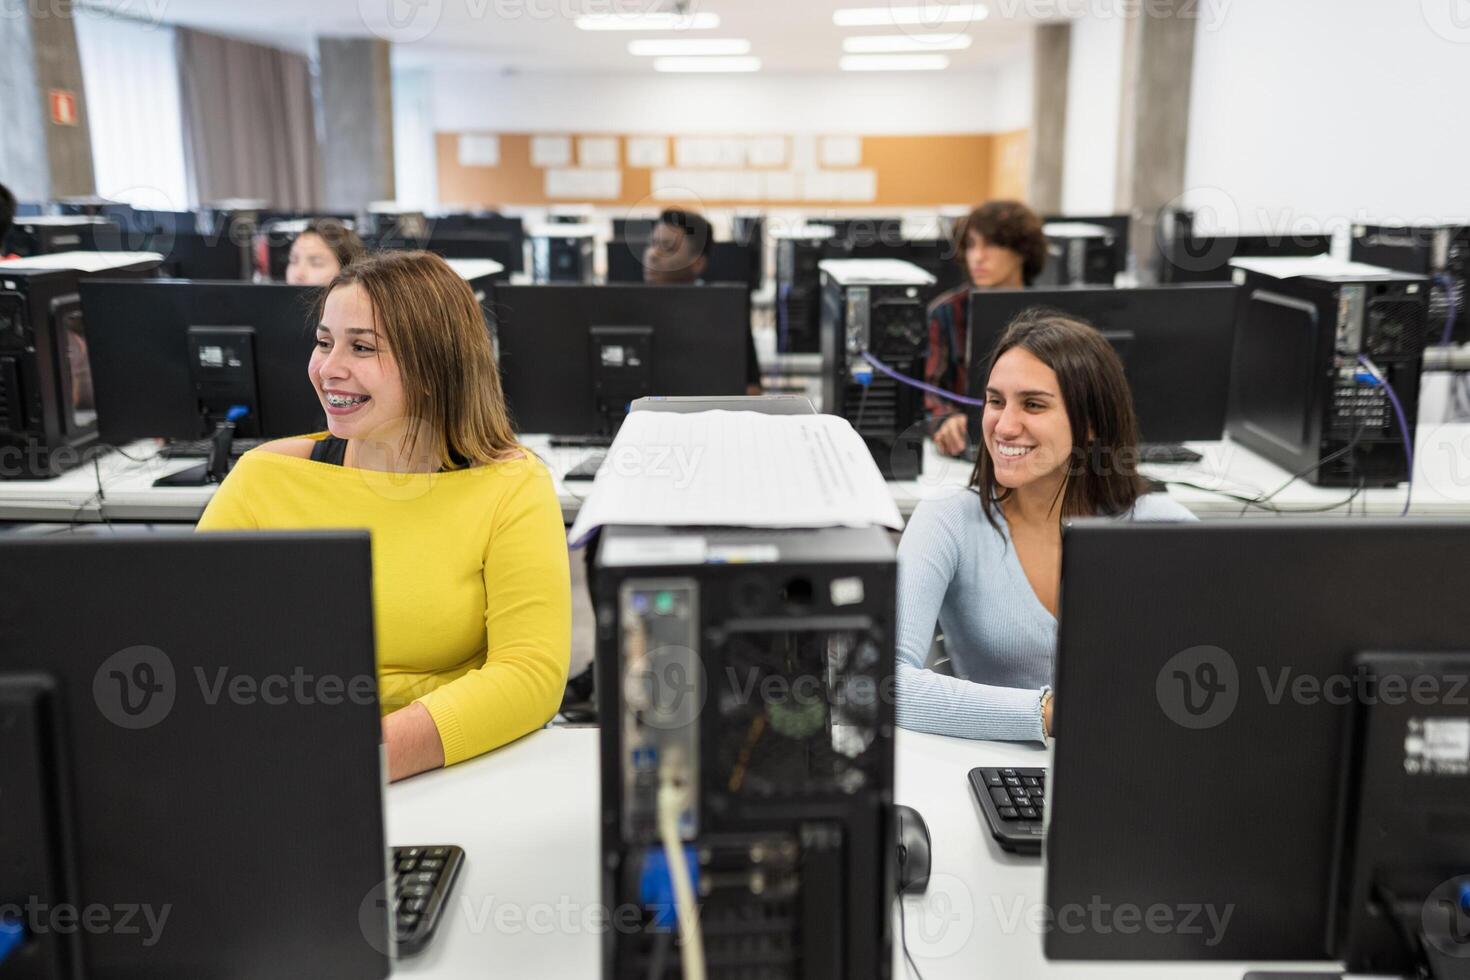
{"points": [[190, 448], [587, 469], [1167, 452], [1012, 801], [423, 877]]}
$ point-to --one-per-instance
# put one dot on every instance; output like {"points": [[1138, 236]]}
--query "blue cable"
{"points": [[921, 385], [1378, 378], [12, 935], [1449, 293], [237, 412]]}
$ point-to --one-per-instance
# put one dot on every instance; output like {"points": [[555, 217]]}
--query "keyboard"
{"points": [[189, 448], [1166, 452], [587, 469], [423, 877], [1013, 802]]}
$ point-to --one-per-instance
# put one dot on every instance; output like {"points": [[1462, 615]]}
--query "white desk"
{"points": [[527, 816], [1441, 484]]}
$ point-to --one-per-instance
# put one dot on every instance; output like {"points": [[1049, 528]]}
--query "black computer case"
{"points": [[1299, 395], [877, 306], [48, 418], [1440, 252], [764, 660]]}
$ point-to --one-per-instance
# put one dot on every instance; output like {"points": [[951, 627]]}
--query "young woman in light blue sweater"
{"points": [[984, 563]]}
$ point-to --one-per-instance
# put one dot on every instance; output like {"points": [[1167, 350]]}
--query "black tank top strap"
{"points": [[330, 450]]}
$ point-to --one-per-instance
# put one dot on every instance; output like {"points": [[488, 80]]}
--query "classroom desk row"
{"points": [[527, 902], [119, 488]]}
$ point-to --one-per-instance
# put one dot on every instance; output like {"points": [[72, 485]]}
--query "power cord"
{"points": [[1398, 409], [673, 798], [903, 935]]}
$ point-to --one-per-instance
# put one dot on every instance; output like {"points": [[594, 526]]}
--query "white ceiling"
{"points": [[789, 36]]}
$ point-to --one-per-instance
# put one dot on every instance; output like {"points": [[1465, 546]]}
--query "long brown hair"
{"points": [[436, 332], [1102, 471]]}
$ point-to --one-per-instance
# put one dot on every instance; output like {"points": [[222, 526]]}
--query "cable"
{"points": [[1315, 464], [673, 797], [1398, 410], [921, 385], [903, 935], [1448, 282]]}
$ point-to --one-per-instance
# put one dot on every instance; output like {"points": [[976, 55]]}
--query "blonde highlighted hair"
{"points": [[433, 326]]}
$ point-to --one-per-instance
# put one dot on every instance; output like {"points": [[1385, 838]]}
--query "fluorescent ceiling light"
{"points": [[693, 46], [648, 22], [889, 43], [923, 15], [893, 62], [707, 64]]}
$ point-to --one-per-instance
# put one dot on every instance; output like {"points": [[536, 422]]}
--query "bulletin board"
{"points": [[486, 169]]}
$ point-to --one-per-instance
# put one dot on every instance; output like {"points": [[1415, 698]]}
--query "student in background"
{"points": [[7, 219], [1001, 246], [1059, 441], [320, 252], [472, 593], [677, 254]]}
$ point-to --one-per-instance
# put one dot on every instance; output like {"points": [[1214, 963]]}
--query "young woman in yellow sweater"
{"points": [[471, 588]]}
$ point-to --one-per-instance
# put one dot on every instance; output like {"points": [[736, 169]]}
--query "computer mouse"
{"points": [[913, 851]]}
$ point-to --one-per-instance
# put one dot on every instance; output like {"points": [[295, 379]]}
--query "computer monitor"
{"points": [[190, 782], [171, 358], [1206, 258], [190, 254], [727, 262], [1263, 743], [506, 249], [864, 230], [1176, 344], [573, 357], [1118, 224], [640, 229]]}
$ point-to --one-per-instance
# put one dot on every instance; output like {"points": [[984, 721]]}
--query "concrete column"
{"points": [[357, 122], [41, 159], [1153, 121], [1051, 52]]}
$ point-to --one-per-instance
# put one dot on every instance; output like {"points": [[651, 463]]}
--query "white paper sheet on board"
{"points": [[478, 150], [597, 151], [551, 151], [648, 151]]}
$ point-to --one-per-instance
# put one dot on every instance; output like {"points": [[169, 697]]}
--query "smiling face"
{"points": [[1025, 425], [354, 374], [312, 261], [990, 265]]}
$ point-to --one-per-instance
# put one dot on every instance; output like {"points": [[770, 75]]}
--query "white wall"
{"points": [[1320, 113], [1094, 95], [869, 104]]}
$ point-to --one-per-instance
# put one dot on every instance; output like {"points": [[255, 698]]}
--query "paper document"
{"points": [[1322, 266], [737, 469]]}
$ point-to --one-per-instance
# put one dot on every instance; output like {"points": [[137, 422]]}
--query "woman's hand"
{"points": [[413, 742], [953, 437]]}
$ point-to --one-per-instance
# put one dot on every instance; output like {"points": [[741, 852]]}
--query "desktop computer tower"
{"points": [[756, 667], [1442, 253], [877, 307], [49, 234], [48, 413], [1079, 254], [562, 253], [1299, 394], [798, 293]]}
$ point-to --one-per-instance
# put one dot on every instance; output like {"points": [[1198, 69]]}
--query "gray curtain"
{"points": [[249, 125]]}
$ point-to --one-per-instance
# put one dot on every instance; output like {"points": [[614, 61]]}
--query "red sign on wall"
{"points": [[63, 107]]}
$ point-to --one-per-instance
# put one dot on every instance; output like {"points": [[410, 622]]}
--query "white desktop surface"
{"points": [[528, 815], [1441, 484]]}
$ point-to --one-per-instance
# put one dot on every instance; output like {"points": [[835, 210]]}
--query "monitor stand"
{"points": [[212, 472]]}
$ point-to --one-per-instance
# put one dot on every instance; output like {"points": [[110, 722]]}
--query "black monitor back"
{"points": [[1202, 731], [192, 778], [1176, 343], [139, 336], [543, 335], [503, 248], [727, 262], [1206, 258]]}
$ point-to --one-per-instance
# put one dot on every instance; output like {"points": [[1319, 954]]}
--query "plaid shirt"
{"points": [[946, 366]]}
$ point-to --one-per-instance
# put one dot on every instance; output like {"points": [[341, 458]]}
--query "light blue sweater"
{"points": [[957, 570]]}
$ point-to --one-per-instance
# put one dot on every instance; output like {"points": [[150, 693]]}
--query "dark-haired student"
{"points": [[471, 586], [678, 254], [984, 563], [322, 250], [1001, 245]]}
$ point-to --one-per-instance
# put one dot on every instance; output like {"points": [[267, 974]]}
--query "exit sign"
{"points": [[63, 107]]}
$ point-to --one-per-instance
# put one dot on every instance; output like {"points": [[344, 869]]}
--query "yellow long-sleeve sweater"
{"points": [[471, 586]]}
